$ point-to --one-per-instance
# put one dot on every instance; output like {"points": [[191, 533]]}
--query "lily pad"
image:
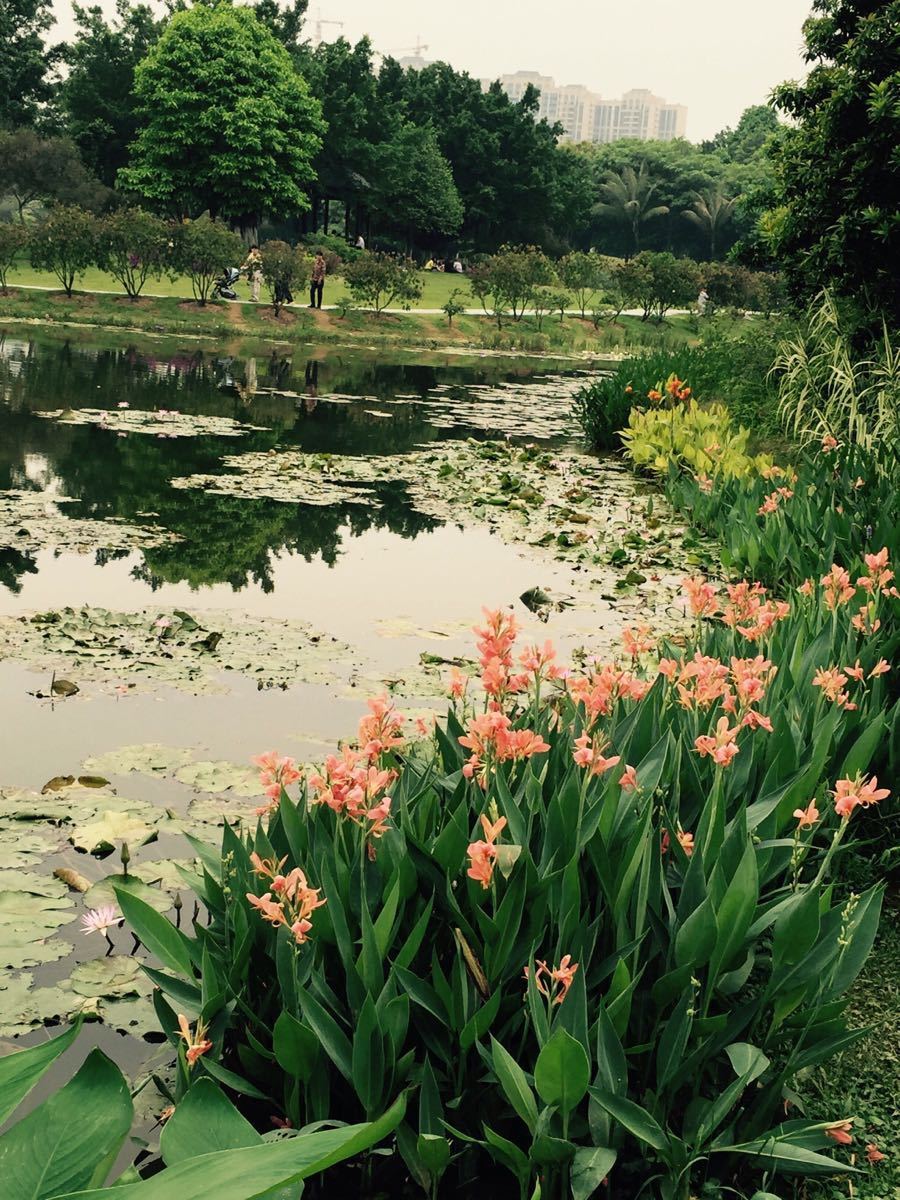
{"points": [[220, 777], [111, 828], [115, 975], [103, 893], [27, 923], [150, 759]]}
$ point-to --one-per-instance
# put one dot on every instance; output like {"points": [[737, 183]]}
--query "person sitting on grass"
{"points": [[317, 282]]}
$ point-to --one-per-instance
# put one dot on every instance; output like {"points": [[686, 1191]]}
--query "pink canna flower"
{"points": [[703, 597], [589, 754], [838, 588], [721, 746], [839, 1131], [880, 668], [197, 1043], [275, 773], [865, 620], [686, 842], [380, 730], [481, 862], [829, 444], [806, 588], [458, 683], [850, 794], [806, 817], [873, 1154], [628, 781], [637, 641], [554, 982]]}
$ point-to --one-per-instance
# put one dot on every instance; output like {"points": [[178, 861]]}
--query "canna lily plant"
{"points": [[592, 921]]}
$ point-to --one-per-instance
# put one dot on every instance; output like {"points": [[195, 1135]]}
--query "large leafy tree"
{"points": [[26, 65], [417, 192], [96, 97], [837, 166], [227, 124], [35, 168], [748, 140]]}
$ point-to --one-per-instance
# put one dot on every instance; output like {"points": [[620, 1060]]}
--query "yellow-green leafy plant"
{"points": [[703, 440]]}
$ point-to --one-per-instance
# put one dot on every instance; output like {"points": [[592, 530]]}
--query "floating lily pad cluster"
{"points": [[159, 423], [61, 855], [33, 521], [171, 647]]}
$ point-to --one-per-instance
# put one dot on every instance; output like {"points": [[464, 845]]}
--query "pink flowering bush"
{"points": [[589, 924]]}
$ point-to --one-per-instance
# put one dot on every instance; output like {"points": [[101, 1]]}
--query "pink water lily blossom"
{"points": [[101, 920]]}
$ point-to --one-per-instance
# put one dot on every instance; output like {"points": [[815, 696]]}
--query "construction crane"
{"points": [[320, 22], [417, 49]]}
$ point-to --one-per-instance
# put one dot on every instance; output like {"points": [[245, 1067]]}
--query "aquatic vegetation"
{"points": [[162, 423], [596, 892]]}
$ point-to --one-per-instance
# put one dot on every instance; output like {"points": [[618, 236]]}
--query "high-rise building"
{"points": [[587, 117]]}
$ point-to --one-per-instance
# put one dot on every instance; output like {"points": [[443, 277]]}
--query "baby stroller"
{"points": [[223, 288]]}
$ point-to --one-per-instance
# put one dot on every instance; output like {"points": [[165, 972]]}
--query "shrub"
{"points": [[132, 246], [641, 843], [283, 267], [202, 250], [379, 280], [453, 306], [337, 251], [700, 439], [66, 243], [13, 240], [512, 277], [826, 389]]}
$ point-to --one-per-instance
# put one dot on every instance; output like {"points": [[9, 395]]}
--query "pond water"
{"points": [[375, 504]]}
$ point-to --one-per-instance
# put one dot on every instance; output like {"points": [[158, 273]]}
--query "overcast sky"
{"points": [[715, 56]]}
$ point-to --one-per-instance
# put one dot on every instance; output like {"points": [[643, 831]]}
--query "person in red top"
{"points": [[317, 282]]}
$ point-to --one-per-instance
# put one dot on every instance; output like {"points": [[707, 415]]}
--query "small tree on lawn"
{"points": [[133, 245], [202, 250], [283, 266], [380, 280], [454, 306], [65, 242], [514, 274], [584, 275], [674, 281], [13, 239]]}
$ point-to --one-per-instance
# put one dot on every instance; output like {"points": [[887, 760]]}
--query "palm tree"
{"points": [[711, 212], [628, 196]]}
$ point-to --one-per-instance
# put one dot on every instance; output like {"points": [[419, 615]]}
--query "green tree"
{"points": [[26, 65], [229, 127], [284, 22], [65, 242], [35, 168], [13, 239], [283, 266], [202, 249], [628, 197], [748, 141], [513, 276], [584, 275], [837, 165], [417, 192], [711, 213], [133, 245], [96, 97], [380, 280]]}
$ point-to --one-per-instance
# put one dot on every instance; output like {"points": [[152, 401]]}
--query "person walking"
{"points": [[253, 270], [317, 281], [360, 242]]}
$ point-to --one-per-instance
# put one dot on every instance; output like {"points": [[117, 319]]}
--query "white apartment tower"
{"points": [[587, 117]]}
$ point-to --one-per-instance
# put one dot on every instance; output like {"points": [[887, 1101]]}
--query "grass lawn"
{"points": [[437, 286], [864, 1081], [179, 315]]}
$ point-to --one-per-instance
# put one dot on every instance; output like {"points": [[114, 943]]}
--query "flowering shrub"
{"points": [[591, 921]]}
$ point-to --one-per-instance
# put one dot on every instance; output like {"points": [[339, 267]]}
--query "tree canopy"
{"points": [[25, 62], [228, 125], [837, 166]]}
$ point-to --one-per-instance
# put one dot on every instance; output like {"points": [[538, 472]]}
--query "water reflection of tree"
{"points": [[235, 541], [13, 565]]}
